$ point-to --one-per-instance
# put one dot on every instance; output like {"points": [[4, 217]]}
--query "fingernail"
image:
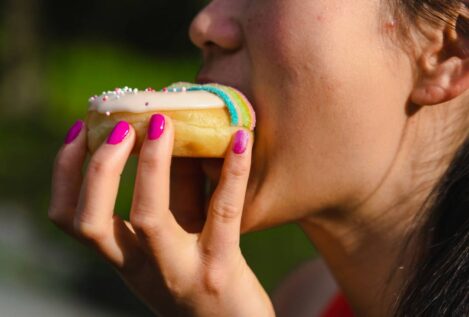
{"points": [[241, 140], [118, 134], [74, 131], [156, 127]]}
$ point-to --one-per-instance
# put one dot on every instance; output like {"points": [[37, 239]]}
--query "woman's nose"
{"points": [[217, 26]]}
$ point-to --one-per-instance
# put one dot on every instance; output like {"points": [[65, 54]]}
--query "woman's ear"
{"points": [[444, 64]]}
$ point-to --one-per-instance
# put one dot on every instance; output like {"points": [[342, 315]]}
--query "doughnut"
{"points": [[204, 116]]}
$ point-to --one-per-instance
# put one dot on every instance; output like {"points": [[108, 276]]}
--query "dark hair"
{"points": [[439, 282], [433, 11]]}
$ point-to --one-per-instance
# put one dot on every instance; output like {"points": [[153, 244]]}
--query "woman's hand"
{"points": [[174, 272]]}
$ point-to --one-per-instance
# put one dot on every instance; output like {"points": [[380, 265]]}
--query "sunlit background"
{"points": [[53, 56]]}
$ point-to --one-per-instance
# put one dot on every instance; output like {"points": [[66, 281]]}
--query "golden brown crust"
{"points": [[198, 133]]}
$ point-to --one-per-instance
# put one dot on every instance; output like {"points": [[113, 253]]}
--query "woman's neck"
{"points": [[364, 245], [365, 257]]}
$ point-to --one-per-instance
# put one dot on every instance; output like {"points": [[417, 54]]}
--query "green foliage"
{"points": [[81, 70], [273, 253]]}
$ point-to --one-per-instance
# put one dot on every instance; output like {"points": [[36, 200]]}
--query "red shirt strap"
{"points": [[338, 307]]}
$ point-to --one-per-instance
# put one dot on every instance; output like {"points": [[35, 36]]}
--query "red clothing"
{"points": [[338, 307]]}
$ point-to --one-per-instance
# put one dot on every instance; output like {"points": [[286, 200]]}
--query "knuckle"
{"points": [[238, 170], [209, 255], [213, 281], [56, 216], [225, 210], [133, 267], [62, 162], [148, 162], [174, 284], [142, 221], [99, 167], [176, 288], [89, 231]]}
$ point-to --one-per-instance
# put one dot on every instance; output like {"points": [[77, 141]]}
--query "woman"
{"points": [[362, 106]]}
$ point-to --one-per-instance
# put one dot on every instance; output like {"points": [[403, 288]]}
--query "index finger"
{"points": [[67, 177]]}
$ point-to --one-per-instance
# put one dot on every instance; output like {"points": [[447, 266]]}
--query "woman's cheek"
{"points": [[323, 105]]}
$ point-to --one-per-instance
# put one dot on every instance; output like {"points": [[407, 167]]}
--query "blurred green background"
{"points": [[53, 56]]}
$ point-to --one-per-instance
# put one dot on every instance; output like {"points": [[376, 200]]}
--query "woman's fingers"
{"points": [[221, 232], [94, 220], [150, 216], [67, 177]]}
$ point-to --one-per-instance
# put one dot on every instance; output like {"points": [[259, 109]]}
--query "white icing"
{"points": [[131, 100]]}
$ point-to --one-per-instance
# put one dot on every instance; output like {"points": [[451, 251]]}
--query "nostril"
{"points": [[210, 44], [216, 27]]}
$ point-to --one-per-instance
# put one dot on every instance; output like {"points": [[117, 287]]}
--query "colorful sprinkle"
{"points": [[240, 110]]}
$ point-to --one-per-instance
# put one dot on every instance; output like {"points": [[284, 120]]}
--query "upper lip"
{"points": [[204, 79]]}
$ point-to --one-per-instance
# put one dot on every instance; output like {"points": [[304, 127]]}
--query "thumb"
{"points": [[222, 229]]}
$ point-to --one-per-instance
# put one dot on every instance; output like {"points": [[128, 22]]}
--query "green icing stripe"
{"points": [[250, 109], [243, 109], [249, 116]]}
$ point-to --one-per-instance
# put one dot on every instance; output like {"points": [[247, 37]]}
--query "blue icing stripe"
{"points": [[224, 96], [214, 90]]}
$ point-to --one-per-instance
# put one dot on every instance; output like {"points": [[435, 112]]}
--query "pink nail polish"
{"points": [[241, 140], [74, 131], [118, 134], [156, 127]]}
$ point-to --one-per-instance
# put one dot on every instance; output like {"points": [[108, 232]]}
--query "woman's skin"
{"points": [[353, 131]]}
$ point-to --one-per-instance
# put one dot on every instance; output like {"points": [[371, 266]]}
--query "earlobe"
{"points": [[446, 81], [443, 67]]}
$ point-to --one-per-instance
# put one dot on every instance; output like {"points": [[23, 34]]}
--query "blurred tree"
{"points": [[20, 80]]}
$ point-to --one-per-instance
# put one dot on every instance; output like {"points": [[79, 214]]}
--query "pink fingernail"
{"points": [[74, 131], [241, 140], [118, 134], [156, 127]]}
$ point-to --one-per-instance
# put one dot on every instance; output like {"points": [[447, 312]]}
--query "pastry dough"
{"points": [[204, 116]]}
